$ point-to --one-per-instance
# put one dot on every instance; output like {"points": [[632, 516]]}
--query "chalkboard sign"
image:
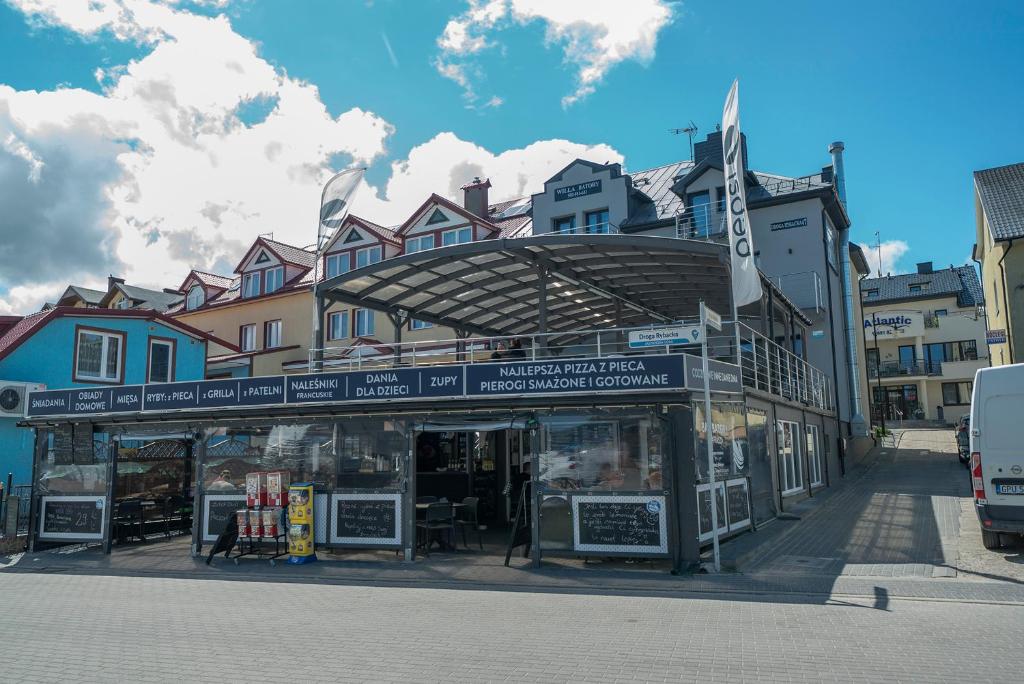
{"points": [[63, 444], [83, 444], [366, 519], [217, 510], [78, 518], [704, 510], [739, 504], [620, 524]]}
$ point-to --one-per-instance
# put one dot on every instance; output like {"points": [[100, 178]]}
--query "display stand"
{"points": [[254, 546]]}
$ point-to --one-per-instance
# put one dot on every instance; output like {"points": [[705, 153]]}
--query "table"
{"points": [[424, 506], [453, 505]]}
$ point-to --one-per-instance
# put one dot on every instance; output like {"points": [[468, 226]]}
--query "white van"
{"points": [[997, 452]]}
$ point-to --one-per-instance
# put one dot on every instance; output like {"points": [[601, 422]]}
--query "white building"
{"points": [[924, 333]]}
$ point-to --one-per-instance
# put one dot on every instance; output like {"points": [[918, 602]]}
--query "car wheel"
{"points": [[991, 540]]}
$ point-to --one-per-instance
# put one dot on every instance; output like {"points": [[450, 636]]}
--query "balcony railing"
{"points": [[605, 228], [765, 366], [701, 222], [895, 369], [804, 289]]}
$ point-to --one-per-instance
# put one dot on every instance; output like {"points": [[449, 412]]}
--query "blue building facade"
{"points": [[70, 347]]}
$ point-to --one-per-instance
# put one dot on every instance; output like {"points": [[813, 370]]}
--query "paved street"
{"points": [[885, 581]]}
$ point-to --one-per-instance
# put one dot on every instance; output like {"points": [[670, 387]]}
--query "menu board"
{"points": [[217, 510], [78, 518], [366, 519], [704, 510], [63, 444], [83, 445], [620, 524], [738, 500]]}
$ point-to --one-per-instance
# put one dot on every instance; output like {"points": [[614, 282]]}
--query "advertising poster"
{"points": [[729, 440]]}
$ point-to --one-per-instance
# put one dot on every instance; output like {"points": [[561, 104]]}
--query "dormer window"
{"points": [[195, 298], [419, 244], [871, 294], [367, 256], [123, 303], [457, 236], [337, 264], [251, 284], [275, 279]]}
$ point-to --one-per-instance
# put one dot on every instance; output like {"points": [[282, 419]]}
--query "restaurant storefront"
{"points": [[592, 441]]}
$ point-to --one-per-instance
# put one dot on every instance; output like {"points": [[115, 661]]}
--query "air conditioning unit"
{"points": [[14, 397]]}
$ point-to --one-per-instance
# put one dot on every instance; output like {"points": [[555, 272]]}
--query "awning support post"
{"points": [[319, 309], [397, 320], [542, 305]]}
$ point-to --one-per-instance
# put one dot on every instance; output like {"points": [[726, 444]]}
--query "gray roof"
{"points": [[653, 187], [1002, 197], [87, 295], [961, 281], [150, 299]]}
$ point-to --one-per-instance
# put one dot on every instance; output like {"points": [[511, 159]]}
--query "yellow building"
{"points": [[924, 338], [266, 306], [999, 208]]}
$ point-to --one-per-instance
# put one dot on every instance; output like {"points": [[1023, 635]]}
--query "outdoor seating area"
{"points": [[144, 520], [439, 521]]}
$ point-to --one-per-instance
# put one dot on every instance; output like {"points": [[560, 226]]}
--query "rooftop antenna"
{"points": [[690, 131], [878, 246]]}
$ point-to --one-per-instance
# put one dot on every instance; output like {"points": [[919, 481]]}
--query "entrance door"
{"points": [[153, 489], [517, 467]]}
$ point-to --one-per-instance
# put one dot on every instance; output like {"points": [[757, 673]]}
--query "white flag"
{"points": [[335, 202], [746, 282]]}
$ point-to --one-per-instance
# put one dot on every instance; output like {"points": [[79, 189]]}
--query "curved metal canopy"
{"points": [[495, 287]]}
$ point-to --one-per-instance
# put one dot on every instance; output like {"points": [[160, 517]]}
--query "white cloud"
{"points": [[595, 35], [891, 253], [158, 173]]}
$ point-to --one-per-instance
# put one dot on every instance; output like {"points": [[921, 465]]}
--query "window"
{"points": [[830, 247], [416, 324], [99, 355], [364, 322], [457, 236], [247, 337], [275, 279], [872, 359], [195, 298], [941, 312], [123, 303], [161, 360], [367, 256], [251, 284], [596, 221], [337, 325], [418, 244], [337, 264], [720, 198], [814, 456], [871, 294], [271, 334], [957, 392], [790, 473], [940, 352], [565, 224], [915, 289]]}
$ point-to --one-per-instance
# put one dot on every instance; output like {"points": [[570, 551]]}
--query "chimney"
{"points": [[924, 267], [111, 280], [474, 197], [711, 149], [836, 150]]}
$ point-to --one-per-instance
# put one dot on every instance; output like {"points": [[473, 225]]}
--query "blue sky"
{"points": [[421, 92]]}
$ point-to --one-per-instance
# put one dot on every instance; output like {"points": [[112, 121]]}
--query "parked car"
{"points": [[997, 453], [962, 434]]}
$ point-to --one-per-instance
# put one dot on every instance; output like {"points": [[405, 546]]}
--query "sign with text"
{"points": [[995, 336], [366, 519], [791, 223], [620, 524], [667, 335], [578, 190], [664, 372], [72, 518], [724, 377], [893, 325]]}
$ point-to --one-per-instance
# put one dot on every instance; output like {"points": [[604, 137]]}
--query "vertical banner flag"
{"points": [[335, 202], [746, 283]]}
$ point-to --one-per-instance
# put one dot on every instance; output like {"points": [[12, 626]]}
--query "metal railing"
{"points": [[701, 222], [768, 367], [605, 228], [894, 369], [803, 289], [765, 366]]}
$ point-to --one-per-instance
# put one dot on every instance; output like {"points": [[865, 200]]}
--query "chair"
{"points": [[438, 517], [469, 516], [128, 516], [175, 515]]}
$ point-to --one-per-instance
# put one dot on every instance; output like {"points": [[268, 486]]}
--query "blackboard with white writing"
{"points": [[72, 517], [372, 520], [613, 523], [739, 507], [219, 511]]}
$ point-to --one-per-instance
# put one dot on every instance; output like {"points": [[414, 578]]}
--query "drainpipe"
{"points": [[1006, 303], [858, 426]]}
